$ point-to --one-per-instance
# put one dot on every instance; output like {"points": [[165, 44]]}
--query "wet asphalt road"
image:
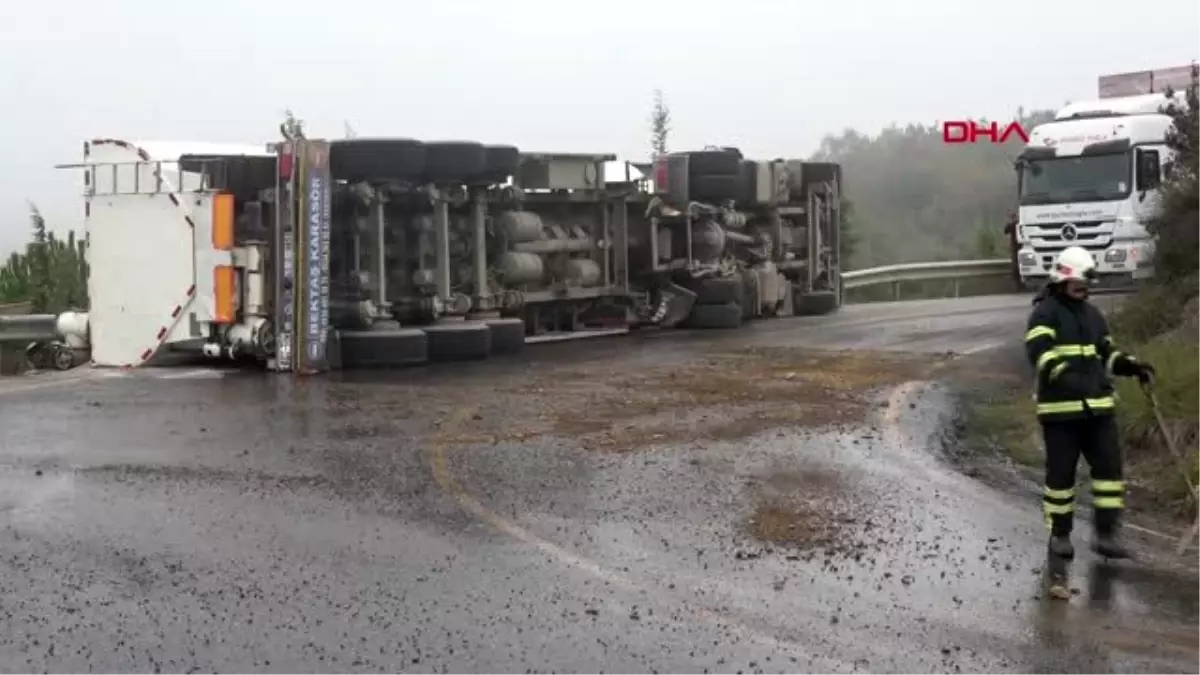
{"points": [[188, 521]]}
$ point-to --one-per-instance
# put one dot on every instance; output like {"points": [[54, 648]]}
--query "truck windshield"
{"points": [[1060, 180]]}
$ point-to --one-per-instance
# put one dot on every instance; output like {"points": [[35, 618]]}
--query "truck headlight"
{"points": [[1114, 255], [1027, 259]]}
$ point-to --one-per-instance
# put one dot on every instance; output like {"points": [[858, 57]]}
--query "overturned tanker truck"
{"points": [[309, 255]]}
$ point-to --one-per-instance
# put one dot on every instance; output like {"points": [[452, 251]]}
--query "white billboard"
{"points": [[1145, 81]]}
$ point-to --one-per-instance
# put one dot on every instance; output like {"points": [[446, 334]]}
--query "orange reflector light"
{"points": [[222, 222], [225, 293]]}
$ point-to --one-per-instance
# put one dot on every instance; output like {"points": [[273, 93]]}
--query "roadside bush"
{"points": [[1175, 358], [1155, 310], [1177, 255], [1159, 324]]}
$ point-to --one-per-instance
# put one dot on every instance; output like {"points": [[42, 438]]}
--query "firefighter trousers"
{"points": [[1096, 439]]}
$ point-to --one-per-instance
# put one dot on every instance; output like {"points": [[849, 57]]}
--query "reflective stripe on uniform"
{"points": [[1069, 493], [1059, 407], [1057, 503], [1041, 331], [1112, 361], [1057, 370], [1064, 351], [1065, 407], [1106, 494]]}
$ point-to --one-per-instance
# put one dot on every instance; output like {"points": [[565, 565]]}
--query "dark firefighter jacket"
{"points": [[1073, 357]]}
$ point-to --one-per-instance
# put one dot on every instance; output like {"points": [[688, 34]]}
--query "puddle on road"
{"points": [[1089, 622], [804, 512]]}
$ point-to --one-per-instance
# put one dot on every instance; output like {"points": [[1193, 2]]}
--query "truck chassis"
{"points": [[356, 253]]}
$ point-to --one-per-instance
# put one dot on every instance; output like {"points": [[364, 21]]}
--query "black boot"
{"points": [[1061, 546], [1108, 544]]}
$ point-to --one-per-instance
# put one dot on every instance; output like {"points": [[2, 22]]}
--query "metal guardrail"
{"points": [[27, 328], [953, 270]]}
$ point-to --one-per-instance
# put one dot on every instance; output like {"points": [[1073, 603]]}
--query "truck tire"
{"points": [[382, 348], [376, 159], [718, 290], [500, 162], [714, 162], [62, 357], [714, 188], [454, 161], [728, 315], [345, 315], [817, 303], [508, 335], [459, 341]]}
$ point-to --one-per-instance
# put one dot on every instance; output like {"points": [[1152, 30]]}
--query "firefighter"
{"points": [[1074, 360]]}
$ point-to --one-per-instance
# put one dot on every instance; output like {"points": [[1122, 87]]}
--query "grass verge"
{"points": [[1150, 461], [1004, 420]]}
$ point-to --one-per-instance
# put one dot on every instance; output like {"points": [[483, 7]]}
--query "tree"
{"points": [[917, 198], [660, 125], [51, 274], [848, 233], [39, 262], [990, 243], [1175, 226], [15, 282]]}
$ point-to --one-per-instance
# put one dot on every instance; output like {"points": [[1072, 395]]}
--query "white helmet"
{"points": [[1073, 263]]}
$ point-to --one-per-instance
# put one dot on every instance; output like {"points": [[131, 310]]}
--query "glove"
{"points": [[1144, 373]]}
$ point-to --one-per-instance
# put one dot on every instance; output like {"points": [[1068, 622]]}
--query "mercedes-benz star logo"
{"points": [[1069, 232]]}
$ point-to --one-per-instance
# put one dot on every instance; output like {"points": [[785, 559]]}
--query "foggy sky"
{"points": [[770, 76]]}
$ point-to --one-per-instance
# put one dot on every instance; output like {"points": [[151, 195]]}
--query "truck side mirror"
{"points": [[1149, 171]]}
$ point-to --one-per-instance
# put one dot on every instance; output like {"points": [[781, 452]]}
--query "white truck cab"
{"points": [[1090, 178]]}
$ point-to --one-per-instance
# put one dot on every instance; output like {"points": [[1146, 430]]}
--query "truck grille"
{"points": [[1048, 260], [1052, 233], [1048, 239]]}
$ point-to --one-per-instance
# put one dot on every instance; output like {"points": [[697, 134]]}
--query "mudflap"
{"points": [[674, 305]]}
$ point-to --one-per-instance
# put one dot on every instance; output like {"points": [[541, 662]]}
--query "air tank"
{"points": [[583, 272], [519, 226], [516, 268], [73, 327]]}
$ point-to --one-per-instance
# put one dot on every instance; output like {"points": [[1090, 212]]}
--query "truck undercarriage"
{"points": [[391, 252]]}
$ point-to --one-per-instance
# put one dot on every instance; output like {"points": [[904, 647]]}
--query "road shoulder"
{"points": [[996, 439]]}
